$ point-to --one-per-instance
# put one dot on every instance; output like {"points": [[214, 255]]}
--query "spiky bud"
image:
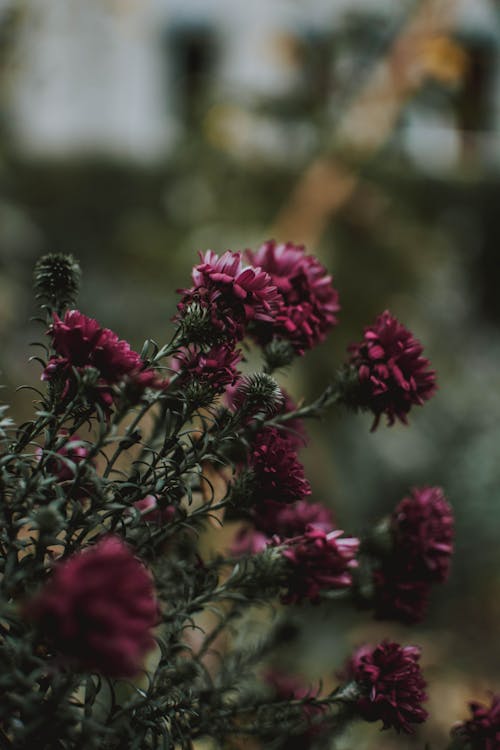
{"points": [[258, 395], [57, 281], [278, 353]]}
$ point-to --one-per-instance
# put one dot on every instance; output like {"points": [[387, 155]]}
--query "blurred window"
{"points": [[191, 52]]}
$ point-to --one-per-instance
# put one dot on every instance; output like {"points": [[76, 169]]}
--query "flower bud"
{"points": [[57, 281], [278, 353], [258, 394]]}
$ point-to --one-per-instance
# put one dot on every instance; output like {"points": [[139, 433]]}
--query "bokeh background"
{"points": [[135, 133]]}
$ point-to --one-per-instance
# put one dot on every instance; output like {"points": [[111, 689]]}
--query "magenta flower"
{"points": [[422, 527], [99, 609], [393, 374], [310, 302], [232, 294], [215, 368], [393, 683], [80, 343], [279, 475], [482, 732], [317, 561], [62, 464], [153, 513], [248, 541], [291, 520]]}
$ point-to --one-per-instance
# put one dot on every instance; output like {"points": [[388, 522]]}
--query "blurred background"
{"points": [[135, 133]]}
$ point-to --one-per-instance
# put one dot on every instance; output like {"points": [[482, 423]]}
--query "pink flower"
{"points": [[248, 541], [279, 475], [422, 527], [233, 294], [482, 732], [99, 609], [80, 343], [393, 683], [72, 453], [215, 368], [310, 302], [291, 520], [393, 374], [317, 561], [152, 513]]}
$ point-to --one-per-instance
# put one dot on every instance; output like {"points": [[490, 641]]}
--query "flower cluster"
{"points": [[317, 561], [421, 530], [232, 294], [393, 375], [394, 688], [279, 475], [80, 345], [99, 609], [482, 731], [309, 303]]}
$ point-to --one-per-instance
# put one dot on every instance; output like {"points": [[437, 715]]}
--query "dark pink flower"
{"points": [[482, 732], [99, 608], [81, 343], [422, 528], [248, 541], [310, 302], [62, 464], [153, 513], [393, 374], [398, 595], [317, 561], [279, 475], [215, 368], [393, 683], [291, 520], [232, 294]]}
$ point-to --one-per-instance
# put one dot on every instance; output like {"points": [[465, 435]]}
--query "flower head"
{"points": [[82, 344], [231, 293], [278, 473], [62, 464], [310, 302], [317, 561], [393, 683], [99, 609], [215, 368], [291, 520], [393, 375], [422, 528], [153, 512], [248, 541], [482, 731]]}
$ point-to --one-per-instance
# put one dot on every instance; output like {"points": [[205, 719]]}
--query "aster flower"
{"points": [[62, 464], [153, 513], [422, 528], [99, 609], [231, 293], [291, 520], [82, 344], [392, 374], [317, 561], [248, 541], [215, 368], [310, 302], [393, 684], [278, 474], [482, 731]]}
